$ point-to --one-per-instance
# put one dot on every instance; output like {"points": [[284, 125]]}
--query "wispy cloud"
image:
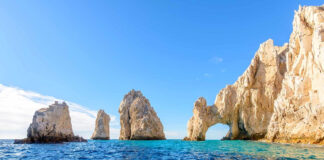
{"points": [[216, 60], [17, 108], [207, 75]]}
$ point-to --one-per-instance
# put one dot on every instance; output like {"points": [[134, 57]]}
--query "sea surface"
{"points": [[167, 149]]}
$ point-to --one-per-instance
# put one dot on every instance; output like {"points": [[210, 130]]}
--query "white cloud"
{"points": [[17, 108], [216, 60]]}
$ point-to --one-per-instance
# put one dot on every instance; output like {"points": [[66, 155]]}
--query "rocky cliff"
{"points": [[299, 109], [101, 131], [51, 125], [138, 119], [280, 96]]}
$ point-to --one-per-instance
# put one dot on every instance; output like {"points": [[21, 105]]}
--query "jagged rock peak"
{"points": [[101, 131], [138, 120], [51, 125]]}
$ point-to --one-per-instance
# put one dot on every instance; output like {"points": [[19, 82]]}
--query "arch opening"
{"points": [[217, 131]]}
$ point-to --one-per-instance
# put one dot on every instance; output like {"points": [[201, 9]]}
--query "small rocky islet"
{"points": [[279, 98], [101, 131], [138, 120], [51, 125]]}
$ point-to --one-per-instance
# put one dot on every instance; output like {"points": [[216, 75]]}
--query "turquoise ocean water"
{"points": [[167, 149]]}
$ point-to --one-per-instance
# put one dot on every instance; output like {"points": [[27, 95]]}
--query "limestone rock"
{"points": [[138, 119], [299, 109], [203, 118], [101, 131], [51, 125], [280, 96]]}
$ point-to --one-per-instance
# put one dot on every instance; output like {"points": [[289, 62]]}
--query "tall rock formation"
{"points": [[280, 96], [299, 109], [101, 131], [138, 119], [51, 125]]}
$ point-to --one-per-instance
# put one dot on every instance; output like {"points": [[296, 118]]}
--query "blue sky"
{"points": [[94, 52]]}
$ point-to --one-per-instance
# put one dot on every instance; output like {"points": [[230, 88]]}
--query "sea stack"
{"points": [[51, 125], [138, 119], [279, 98], [101, 131]]}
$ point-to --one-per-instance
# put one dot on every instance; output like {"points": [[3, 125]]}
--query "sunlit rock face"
{"points": [[280, 96], [138, 119], [51, 125], [247, 105], [101, 131], [299, 109], [203, 118]]}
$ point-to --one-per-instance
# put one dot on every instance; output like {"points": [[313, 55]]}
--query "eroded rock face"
{"points": [[299, 109], [51, 125], [203, 118], [280, 96], [101, 131], [138, 119]]}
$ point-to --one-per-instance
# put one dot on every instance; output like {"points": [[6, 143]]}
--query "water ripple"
{"points": [[164, 150]]}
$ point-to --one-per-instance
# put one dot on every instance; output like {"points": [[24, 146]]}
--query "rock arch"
{"points": [[247, 105], [280, 96]]}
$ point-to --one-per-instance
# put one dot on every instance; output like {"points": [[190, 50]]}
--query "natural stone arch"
{"points": [[280, 96], [247, 105], [203, 118], [206, 116]]}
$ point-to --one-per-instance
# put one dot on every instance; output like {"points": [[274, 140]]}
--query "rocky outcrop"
{"points": [[203, 118], [138, 119], [101, 131], [280, 96], [247, 105], [51, 125]]}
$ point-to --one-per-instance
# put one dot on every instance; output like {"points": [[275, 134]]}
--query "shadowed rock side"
{"points": [[51, 125], [138, 119], [280, 96], [101, 131]]}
